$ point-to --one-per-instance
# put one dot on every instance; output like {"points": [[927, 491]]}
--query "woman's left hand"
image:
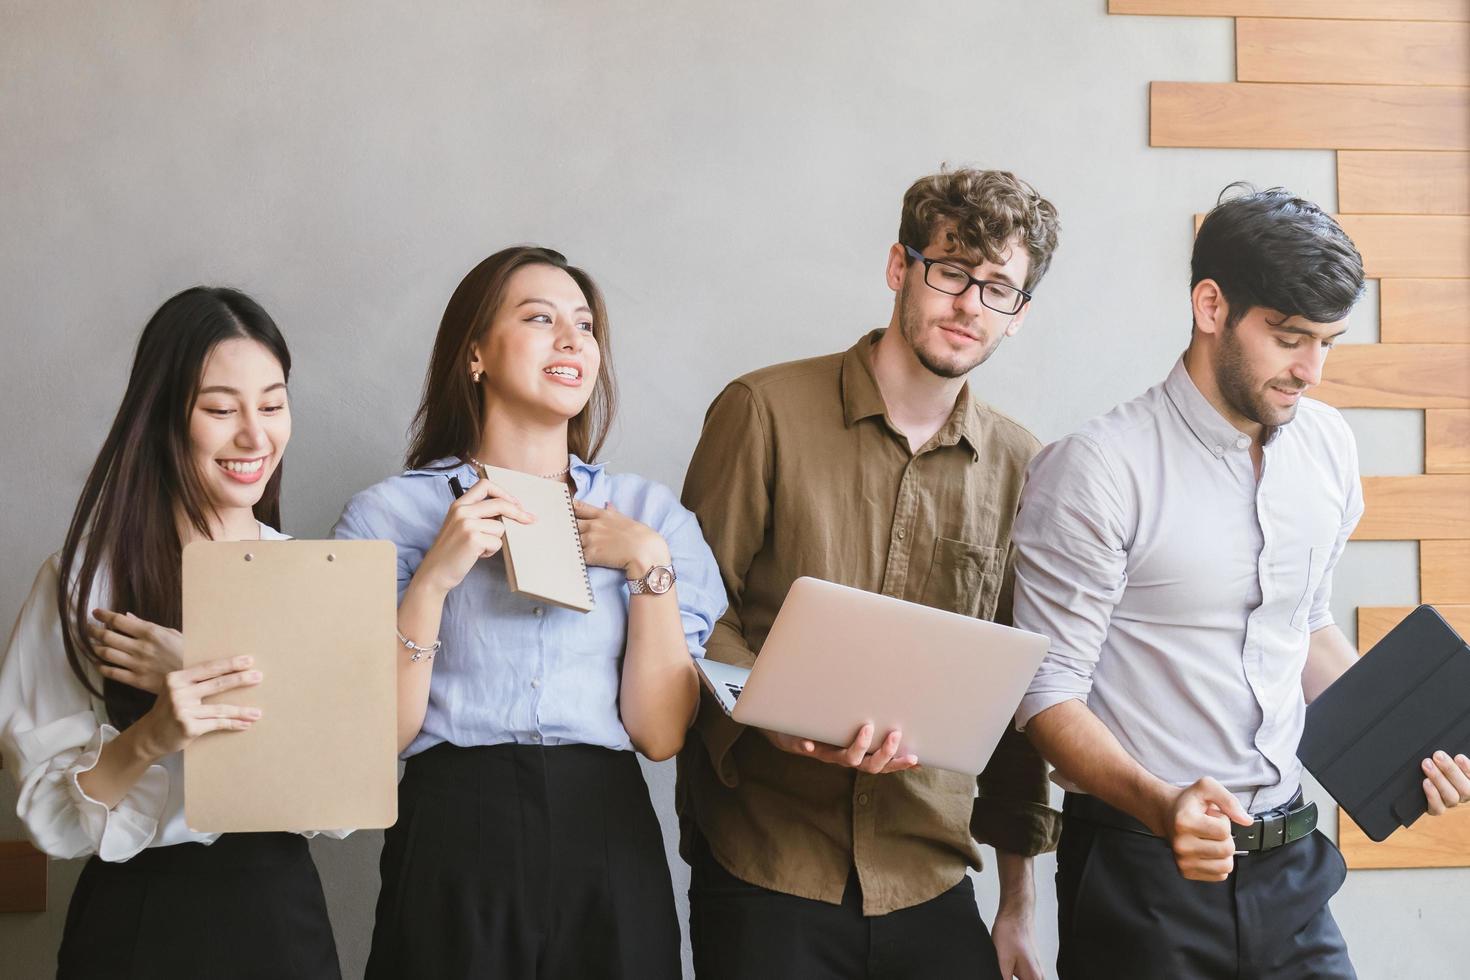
{"points": [[614, 540], [134, 651]]}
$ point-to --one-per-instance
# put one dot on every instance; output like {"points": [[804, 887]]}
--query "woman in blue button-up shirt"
{"points": [[526, 844]]}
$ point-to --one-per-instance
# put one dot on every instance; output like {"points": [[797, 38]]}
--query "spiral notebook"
{"points": [[544, 560]]}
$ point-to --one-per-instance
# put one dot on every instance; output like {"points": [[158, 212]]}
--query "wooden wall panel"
{"points": [[1424, 311], [1404, 181], [1433, 842], [1351, 52], [1444, 572], [1415, 508], [1374, 622], [1428, 246], [1396, 376], [22, 877], [1447, 441], [1343, 9], [1330, 117]]}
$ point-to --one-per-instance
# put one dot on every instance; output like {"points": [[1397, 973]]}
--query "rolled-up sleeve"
{"points": [[701, 593], [50, 735], [1012, 812], [1352, 512], [702, 598], [1071, 567], [728, 486]]}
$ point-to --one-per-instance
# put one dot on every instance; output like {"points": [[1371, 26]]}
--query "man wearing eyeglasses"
{"points": [[876, 468]]}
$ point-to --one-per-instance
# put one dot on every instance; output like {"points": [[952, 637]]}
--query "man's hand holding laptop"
{"points": [[861, 754]]}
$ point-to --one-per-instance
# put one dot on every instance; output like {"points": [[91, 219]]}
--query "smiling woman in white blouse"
{"points": [[93, 728]]}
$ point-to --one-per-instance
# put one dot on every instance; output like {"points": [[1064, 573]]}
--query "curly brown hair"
{"points": [[979, 213]]}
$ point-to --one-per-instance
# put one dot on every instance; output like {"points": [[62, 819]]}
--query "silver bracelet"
{"points": [[420, 653]]}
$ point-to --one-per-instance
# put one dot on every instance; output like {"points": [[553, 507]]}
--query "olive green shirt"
{"points": [[800, 472]]}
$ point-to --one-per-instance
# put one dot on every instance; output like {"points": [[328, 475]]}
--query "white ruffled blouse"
{"points": [[52, 729]]}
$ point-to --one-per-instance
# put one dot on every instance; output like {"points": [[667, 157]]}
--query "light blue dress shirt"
{"points": [[515, 669]]}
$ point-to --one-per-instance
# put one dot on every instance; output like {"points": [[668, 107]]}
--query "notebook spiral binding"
{"points": [[581, 555]]}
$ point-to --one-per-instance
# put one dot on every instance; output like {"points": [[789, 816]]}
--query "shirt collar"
{"points": [[862, 399], [582, 471], [1204, 420]]}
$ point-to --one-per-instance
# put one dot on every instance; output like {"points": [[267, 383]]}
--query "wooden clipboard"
{"points": [[319, 617]]}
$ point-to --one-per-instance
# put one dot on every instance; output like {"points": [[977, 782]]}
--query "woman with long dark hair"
{"points": [[526, 845], [93, 728]]}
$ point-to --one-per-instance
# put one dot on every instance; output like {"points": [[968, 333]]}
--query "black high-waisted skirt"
{"points": [[521, 862], [246, 906]]}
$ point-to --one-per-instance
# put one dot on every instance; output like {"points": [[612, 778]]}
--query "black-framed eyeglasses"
{"points": [[1001, 297]]}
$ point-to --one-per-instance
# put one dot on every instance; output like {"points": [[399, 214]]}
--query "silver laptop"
{"points": [[838, 657]]}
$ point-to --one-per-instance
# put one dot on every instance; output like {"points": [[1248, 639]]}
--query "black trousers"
{"points": [[1125, 911], [741, 931], [520, 861], [246, 906]]}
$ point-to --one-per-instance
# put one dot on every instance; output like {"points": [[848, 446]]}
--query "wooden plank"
{"points": [[22, 877], [1403, 181], [1444, 571], [1415, 508], [1458, 10], [1427, 246], [1424, 311], [1352, 52], [1447, 441], [1374, 622], [1261, 115], [1396, 376], [1433, 842]]}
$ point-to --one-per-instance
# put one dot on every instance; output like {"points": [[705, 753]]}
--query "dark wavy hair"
{"points": [[1274, 250], [145, 480], [985, 210], [447, 423]]}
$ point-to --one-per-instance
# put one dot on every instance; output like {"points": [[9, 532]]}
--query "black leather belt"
{"points": [[1272, 829]]}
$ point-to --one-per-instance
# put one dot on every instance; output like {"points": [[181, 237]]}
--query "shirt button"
{"points": [[1242, 441], [535, 736], [537, 610], [900, 534], [862, 799], [535, 682]]}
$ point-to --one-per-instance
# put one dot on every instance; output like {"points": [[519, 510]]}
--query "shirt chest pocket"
{"points": [[1316, 568], [964, 578]]}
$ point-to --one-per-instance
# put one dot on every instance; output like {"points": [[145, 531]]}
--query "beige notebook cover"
{"points": [[544, 560], [319, 617]]}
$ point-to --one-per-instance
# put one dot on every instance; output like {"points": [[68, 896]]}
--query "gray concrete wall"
{"points": [[732, 175]]}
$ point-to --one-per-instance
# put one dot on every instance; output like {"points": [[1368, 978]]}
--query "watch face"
{"points": [[660, 579]]}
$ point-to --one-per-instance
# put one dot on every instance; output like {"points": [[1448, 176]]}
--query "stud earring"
{"points": [[475, 376]]}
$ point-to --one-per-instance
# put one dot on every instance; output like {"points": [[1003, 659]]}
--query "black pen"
{"points": [[455, 487]]}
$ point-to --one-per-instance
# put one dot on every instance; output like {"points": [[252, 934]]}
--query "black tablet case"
{"points": [[1367, 733]]}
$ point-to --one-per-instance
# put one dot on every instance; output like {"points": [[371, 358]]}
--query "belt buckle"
{"points": [[1273, 829]]}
